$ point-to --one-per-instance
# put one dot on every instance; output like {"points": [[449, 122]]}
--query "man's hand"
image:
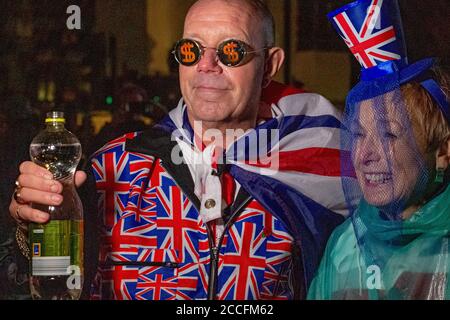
{"points": [[38, 186]]}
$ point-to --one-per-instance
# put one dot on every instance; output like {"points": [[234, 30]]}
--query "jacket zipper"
{"points": [[214, 251], [213, 272]]}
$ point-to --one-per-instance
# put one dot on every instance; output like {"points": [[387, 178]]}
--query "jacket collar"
{"points": [[158, 143]]}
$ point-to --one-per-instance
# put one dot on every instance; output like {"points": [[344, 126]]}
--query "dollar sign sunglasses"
{"points": [[231, 53]]}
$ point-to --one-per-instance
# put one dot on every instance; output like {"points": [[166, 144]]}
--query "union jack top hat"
{"points": [[372, 29]]}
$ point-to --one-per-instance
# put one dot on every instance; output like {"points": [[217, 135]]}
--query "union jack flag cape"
{"points": [[304, 189]]}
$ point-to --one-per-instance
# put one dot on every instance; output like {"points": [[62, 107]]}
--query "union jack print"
{"points": [[155, 244], [255, 257], [364, 35], [157, 247]]}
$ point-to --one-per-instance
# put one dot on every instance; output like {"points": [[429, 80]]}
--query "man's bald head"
{"points": [[221, 96], [257, 8]]}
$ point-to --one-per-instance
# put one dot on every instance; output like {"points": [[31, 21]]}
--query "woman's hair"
{"points": [[426, 114]]}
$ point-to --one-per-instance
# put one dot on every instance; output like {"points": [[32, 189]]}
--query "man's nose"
{"points": [[209, 61]]}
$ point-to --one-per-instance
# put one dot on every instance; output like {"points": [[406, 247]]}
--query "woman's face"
{"points": [[388, 164]]}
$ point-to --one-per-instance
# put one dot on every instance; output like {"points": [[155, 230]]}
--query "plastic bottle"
{"points": [[57, 246]]}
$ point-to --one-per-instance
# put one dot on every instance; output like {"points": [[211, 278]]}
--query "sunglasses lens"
{"points": [[187, 52], [231, 52]]}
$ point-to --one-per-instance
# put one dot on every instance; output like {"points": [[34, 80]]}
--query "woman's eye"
{"points": [[390, 135], [357, 134]]}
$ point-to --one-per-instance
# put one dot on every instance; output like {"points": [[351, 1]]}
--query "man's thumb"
{"points": [[80, 178]]}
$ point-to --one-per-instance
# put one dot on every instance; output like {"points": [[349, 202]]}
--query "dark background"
{"points": [[45, 66]]}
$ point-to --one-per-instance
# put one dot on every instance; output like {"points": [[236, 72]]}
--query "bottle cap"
{"points": [[55, 116]]}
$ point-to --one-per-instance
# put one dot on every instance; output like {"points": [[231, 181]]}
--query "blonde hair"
{"points": [[430, 125]]}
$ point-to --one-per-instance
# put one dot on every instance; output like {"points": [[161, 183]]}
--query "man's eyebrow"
{"points": [[200, 37], [193, 35]]}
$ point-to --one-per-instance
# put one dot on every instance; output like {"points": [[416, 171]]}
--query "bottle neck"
{"points": [[55, 126]]}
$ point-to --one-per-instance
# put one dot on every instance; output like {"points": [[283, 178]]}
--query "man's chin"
{"points": [[209, 119], [209, 113]]}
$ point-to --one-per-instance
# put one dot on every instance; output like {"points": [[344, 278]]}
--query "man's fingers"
{"points": [[38, 183], [29, 167], [38, 186], [25, 213], [40, 197], [80, 178]]}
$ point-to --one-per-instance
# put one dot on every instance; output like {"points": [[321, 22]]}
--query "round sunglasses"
{"points": [[231, 53]]}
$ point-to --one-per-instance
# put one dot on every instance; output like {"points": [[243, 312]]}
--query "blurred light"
{"points": [[109, 100], [156, 99], [51, 88], [99, 119], [42, 91], [86, 87], [80, 118]]}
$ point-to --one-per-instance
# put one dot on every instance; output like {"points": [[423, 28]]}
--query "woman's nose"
{"points": [[368, 151]]}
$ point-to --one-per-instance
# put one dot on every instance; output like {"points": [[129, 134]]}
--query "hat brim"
{"points": [[376, 86], [414, 70]]}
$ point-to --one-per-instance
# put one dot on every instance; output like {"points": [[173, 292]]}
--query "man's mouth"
{"points": [[378, 178], [212, 83], [208, 88]]}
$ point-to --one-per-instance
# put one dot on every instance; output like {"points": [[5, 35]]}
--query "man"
{"points": [[233, 225]]}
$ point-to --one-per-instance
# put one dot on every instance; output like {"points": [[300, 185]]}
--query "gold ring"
{"points": [[17, 196], [18, 217]]}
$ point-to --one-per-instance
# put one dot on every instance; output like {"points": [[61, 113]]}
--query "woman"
{"points": [[397, 129]]}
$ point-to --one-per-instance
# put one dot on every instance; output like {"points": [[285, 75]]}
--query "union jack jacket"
{"points": [[154, 244]]}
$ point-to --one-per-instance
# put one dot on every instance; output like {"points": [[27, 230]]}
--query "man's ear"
{"points": [[443, 155], [274, 62]]}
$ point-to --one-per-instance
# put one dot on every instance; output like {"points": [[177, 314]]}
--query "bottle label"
{"points": [[56, 246], [51, 266]]}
